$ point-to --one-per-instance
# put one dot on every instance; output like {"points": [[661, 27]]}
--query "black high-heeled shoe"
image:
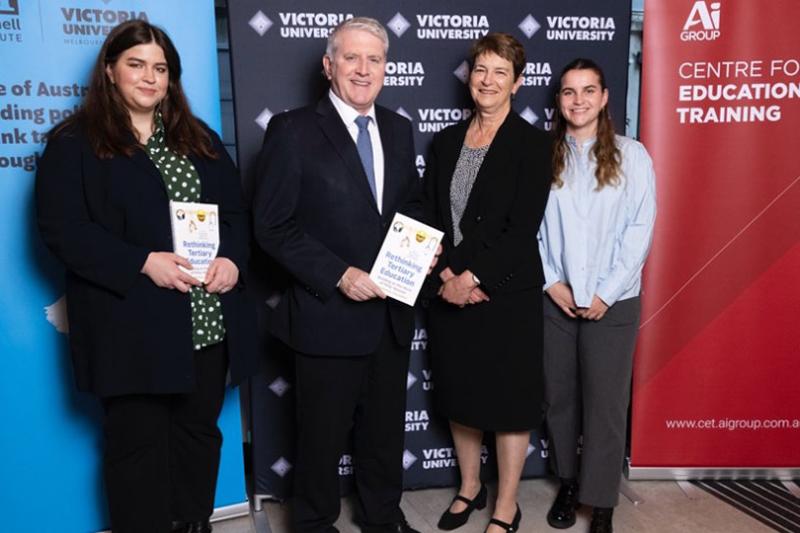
{"points": [[510, 528], [451, 520]]}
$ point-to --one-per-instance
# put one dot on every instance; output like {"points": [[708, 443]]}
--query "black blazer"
{"points": [[506, 205], [314, 214], [101, 218]]}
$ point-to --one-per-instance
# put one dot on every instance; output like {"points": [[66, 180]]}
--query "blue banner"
{"points": [[51, 446]]}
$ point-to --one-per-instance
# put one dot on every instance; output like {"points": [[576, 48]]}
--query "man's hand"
{"points": [[594, 312], [357, 285], [162, 269], [222, 275], [561, 295]]}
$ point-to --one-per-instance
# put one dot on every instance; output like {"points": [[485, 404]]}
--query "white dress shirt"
{"points": [[597, 241]]}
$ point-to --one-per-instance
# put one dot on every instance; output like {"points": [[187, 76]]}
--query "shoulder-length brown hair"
{"points": [[106, 119], [605, 151]]}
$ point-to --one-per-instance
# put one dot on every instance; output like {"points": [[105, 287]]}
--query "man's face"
{"points": [[356, 69]]}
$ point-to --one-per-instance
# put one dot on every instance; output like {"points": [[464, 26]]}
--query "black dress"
{"points": [[487, 358]]}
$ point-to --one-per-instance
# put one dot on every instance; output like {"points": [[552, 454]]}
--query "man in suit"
{"points": [[330, 177]]}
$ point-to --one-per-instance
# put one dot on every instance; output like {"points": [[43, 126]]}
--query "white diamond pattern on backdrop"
{"points": [[529, 26], [398, 24], [408, 459], [263, 118], [279, 386], [281, 466], [462, 72], [529, 115], [260, 23]]}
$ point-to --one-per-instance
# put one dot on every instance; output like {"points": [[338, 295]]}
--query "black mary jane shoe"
{"points": [[451, 520], [562, 512], [601, 520], [510, 528]]}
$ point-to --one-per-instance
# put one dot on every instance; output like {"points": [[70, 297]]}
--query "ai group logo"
{"points": [[404, 74], [417, 420], [10, 25], [281, 466], [706, 16], [433, 119], [296, 25], [398, 24], [9, 7], [408, 459], [452, 27]]}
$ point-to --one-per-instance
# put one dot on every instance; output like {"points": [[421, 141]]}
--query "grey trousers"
{"points": [[587, 378]]}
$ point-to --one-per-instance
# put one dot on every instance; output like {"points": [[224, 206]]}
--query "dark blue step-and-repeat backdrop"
{"points": [[276, 51]]}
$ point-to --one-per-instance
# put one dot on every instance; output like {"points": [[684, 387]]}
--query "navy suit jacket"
{"points": [[101, 218], [315, 215]]}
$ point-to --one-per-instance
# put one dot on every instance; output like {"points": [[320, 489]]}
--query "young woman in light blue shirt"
{"points": [[594, 240]]}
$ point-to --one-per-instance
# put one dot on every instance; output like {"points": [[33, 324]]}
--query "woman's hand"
{"points": [[594, 312], [477, 296], [457, 289], [162, 269], [222, 275], [561, 295]]}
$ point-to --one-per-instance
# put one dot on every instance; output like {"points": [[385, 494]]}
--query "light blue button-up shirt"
{"points": [[597, 241]]}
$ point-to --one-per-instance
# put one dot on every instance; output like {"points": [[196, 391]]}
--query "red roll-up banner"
{"points": [[717, 372]]}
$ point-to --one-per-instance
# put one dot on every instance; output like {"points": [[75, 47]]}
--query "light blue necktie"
{"points": [[364, 145]]}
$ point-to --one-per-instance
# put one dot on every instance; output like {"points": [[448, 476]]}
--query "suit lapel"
{"points": [[449, 156], [495, 154], [337, 134], [391, 185], [143, 160]]}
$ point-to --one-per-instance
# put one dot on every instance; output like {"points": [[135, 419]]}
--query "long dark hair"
{"points": [[605, 151], [106, 119]]}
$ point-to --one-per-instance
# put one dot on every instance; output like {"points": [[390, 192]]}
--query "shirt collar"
{"points": [[573, 142], [347, 112], [157, 139]]}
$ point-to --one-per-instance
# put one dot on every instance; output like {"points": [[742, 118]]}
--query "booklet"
{"points": [[406, 254], [195, 234]]}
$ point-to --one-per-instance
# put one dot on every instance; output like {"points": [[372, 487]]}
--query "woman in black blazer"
{"points": [[487, 183], [154, 343]]}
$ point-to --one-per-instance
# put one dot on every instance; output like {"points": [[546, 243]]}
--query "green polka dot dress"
{"points": [[183, 185]]}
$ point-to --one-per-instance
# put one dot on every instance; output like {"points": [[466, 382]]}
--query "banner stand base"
{"points": [[638, 473]]}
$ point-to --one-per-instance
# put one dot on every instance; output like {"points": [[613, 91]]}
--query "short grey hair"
{"points": [[367, 24]]}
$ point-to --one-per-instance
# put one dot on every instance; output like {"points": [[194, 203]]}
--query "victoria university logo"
{"points": [[702, 24]]}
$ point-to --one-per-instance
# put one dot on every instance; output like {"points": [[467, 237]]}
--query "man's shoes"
{"points": [[450, 520], [601, 520], [510, 528], [562, 513], [397, 527]]}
